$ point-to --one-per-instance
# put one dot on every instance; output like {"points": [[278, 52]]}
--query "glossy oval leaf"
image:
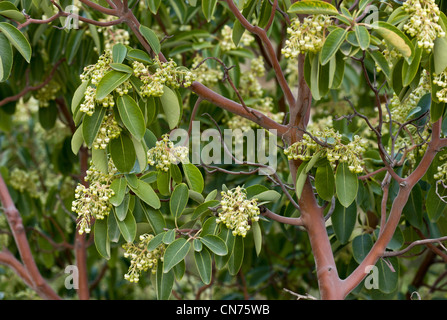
{"points": [[131, 116], [175, 252], [346, 184], [237, 256], [119, 188], [110, 82], [92, 124], [343, 221], [102, 242], [145, 192], [119, 52], [362, 35], [164, 282], [312, 7], [203, 263], [215, 244], [17, 39], [325, 182], [123, 152], [193, 177], [396, 38], [6, 58], [128, 227], [179, 200], [332, 43], [361, 245], [171, 107], [151, 38]]}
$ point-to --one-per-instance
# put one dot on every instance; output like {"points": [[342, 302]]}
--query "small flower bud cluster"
{"points": [[423, 22], [337, 152], [227, 44], [441, 81], [113, 35], [204, 74], [22, 181], [167, 73], [237, 211], [441, 174], [307, 36], [109, 130], [249, 83], [164, 153], [95, 72], [140, 258], [92, 202], [47, 93]]}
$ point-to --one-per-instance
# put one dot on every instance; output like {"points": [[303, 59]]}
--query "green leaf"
{"points": [[257, 236], [17, 39], [139, 55], [119, 188], [151, 38], [78, 96], [175, 252], [208, 7], [131, 116], [325, 182], [203, 262], [77, 140], [204, 208], [336, 79], [227, 236], [91, 125], [164, 183], [171, 107], [409, 70], [154, 217], [413, 208], [314, 77], [128, 227], [119, 52], [153, 5], [121, 67], [48, 115], [110, 82], [346, 184], [362, 36], [312, 7], [381, 62], [237, 256], [343, 221], [179, 200], [332, 44], [395, 38], [102, 242], [123, 152], [269, 195], [123, 208], [169, 236], [9, 10], [99, 160], [439, 56], [215, 244], [193, 177], [145, 192], [361, 245], [113, 230], [155, 241], [6, 58], [165, 282], [388, 278]]}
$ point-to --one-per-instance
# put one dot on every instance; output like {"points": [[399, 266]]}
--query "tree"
{"points": [[208, 149]]}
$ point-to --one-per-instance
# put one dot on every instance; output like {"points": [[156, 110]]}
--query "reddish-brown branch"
{"points": [[18, 231], [8, 259], [32, 88]]}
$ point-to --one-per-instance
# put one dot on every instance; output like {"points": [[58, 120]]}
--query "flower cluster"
{"points": [[204, 74], [94, 74], [164, 153], [108, 130], [47, 93], [423, 23], [167, 73], [335, 151], [227, 44], [307, 36], [113, 35], [237, 211], [92, 202], [441, 81], [141, 258], [22, 181], [249, 83]]}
